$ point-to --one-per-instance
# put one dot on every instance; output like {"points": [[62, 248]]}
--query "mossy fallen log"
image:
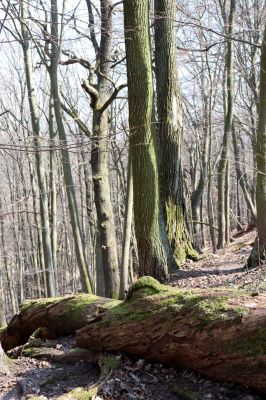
{"points": [[218, 332], [57, 316]]}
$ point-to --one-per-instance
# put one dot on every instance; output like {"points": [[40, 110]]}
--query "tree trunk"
{"points": [[220, 333], [127, 230], [60, 315], [259, 251], [241, 177], [170, 129], [5, 363], [44, 213], [68, 178], [2, 309], [155, 254], [53, 189], [223, 189], [100, 148]]}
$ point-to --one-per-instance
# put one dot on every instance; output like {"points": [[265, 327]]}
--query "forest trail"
{"points": [[224, 268], [41, 379]]}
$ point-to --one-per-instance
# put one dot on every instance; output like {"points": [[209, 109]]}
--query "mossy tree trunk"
{"points": [[258, 254], [155, 255], [220, 333], [170, 129], [58, 315]]}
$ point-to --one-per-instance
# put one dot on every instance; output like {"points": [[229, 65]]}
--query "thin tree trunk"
{"points": [[46, 239], [100, 150], [53, 190], [223, 193], [241, 177], [127, 229], [70, 188]]}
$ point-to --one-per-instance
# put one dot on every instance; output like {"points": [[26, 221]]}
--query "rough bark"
{"points": [[220, 333], [155, 254], [62, 316], [100, 148], [258, 254], [170, 130]]}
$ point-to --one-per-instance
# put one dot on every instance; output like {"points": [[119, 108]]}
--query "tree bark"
{"points": [[220, 333], [35, 122], [223, 168], [60, 315], [170, 129], [127, 230], [258, 254], [100, 149], [67, 170], [241, 177], [155, 254]]}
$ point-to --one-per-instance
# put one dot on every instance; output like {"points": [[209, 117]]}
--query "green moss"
{"points": [[124, 312], [110, 362], [145, 286], [214, 307], [39, 302], [78, 394], [77, 305], [29, 352], [254, 345]]}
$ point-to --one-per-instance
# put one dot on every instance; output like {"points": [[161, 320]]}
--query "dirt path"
{"points": [[225, 268]]}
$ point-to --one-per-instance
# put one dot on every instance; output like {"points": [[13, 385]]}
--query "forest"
{"points": [[133, 200]]}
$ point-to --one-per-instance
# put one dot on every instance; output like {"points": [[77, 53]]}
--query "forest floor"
{"points": [[137, 379]]}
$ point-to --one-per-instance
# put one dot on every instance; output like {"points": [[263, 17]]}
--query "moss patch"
{"points": [[253, 346], [145, 286], [78, 394], [110, 363], [210, 308]]}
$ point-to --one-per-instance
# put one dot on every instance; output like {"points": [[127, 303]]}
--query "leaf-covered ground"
{"points": [[137, 379]]}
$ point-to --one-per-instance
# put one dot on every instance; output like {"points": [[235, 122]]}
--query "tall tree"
{"points": [[100, 100], [70, 188], [224, 166], [155, 255], [35, 122], [259, 250], [170, 128]]}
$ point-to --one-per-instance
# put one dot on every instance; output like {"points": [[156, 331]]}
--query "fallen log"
{"points": [[56, 316], [218, 332]]}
